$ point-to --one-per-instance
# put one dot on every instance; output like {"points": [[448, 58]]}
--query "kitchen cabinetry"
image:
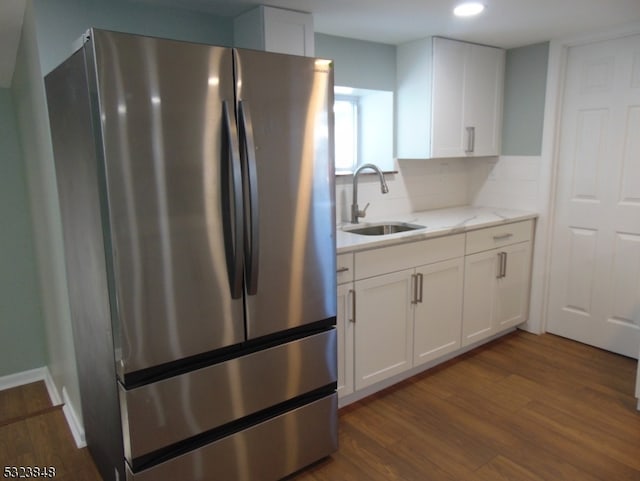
{"points": [[497, 280], [449, 99], [438, 313], [408, 306], [275, 30], [345, 324]]}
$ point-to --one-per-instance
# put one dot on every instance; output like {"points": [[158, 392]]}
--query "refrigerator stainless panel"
{"points": [[162, 113], [165, 412], [264, 452], [290, 267], [77, 168]]}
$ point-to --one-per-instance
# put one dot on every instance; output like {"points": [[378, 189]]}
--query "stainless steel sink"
{"points": [[383, 228]]}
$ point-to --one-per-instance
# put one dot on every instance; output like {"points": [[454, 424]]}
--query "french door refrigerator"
{"points": [[197, 201]]}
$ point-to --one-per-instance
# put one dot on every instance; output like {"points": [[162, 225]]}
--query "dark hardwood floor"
{"points": [[522, 408]]}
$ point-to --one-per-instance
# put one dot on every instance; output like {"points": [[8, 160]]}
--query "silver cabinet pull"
{"points": [[471, 140], [352, 294], [414, 280], [342, 269], [502, 265], [502, 236], [420, 290]]}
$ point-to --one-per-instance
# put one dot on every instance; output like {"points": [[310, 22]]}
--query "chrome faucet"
{"points": [[355, 210]]}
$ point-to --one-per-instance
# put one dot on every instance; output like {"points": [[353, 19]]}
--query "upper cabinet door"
{"points": [[275, 30], [448, 112], [484, 85], [461, 87]]}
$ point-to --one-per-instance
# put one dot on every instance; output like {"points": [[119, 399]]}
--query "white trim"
{"points": [[43, 374], [75, 425], [24, 377], [558, 52]]}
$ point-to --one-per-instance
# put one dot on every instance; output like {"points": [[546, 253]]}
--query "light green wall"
{"points": [[60, 22], [22, 343], [359, 64], [524, 97]]}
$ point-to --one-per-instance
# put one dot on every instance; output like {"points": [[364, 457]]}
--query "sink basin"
{"points": [[383, 228]]}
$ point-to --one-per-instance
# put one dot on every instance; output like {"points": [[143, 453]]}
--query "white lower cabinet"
{"points": [[383, 327], [345, 328], [496, 281], [438, 313], [408, 305], [345, 324]]}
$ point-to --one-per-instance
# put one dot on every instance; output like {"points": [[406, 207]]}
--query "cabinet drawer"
{"points": [[498, 236], [344, 268], [406, 256]]}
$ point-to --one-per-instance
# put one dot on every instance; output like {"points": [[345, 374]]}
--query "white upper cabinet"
{"points": [[449, 99], [275, 30]]}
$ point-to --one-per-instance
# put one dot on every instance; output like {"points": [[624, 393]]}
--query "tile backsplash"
{"points": [[418, 185], [507, 181]]}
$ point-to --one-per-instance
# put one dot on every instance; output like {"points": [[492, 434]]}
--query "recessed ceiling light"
{"points": [[468, 9]]}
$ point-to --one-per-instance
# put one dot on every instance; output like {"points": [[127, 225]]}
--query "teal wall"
{"points": [[524, 98], [22, 338], [60, 22], [359, 64]]}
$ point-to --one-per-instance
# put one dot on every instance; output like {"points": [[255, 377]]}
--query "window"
{"points": [[363, 129]]}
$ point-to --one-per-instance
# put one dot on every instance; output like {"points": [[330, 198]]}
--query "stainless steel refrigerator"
{"points": [[197, 200]]}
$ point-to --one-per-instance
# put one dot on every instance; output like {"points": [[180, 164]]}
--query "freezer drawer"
{"points": [[160, 414], [265, 452]]}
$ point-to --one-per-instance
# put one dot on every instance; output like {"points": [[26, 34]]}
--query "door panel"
{"points": [[161, 124], [512, 295], [478, 311], [383, 333], [290, 99], [595, 277], [438, 318]]}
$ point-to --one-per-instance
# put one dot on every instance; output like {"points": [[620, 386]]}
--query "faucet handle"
{"points": [[363, 212]]}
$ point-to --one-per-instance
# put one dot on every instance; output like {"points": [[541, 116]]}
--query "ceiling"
{"points": [[505, 23]]}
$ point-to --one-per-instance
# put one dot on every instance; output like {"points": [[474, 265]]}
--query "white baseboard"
{"points": [[24, 377], [43, 374], [76, 427]]}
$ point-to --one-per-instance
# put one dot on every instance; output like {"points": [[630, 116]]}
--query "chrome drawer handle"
{"points": [[502, 237]]}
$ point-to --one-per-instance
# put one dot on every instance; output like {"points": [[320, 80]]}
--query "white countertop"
{"points": [[438, 223]]}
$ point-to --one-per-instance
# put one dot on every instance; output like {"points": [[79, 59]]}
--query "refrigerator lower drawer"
{"points": [[265, 452], [160, 414]]}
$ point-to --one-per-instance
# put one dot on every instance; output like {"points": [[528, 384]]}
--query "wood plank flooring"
{"points": [[522, 408]]}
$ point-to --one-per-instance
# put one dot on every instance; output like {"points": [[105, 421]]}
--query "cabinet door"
{"points": [[448, 137], [480, 283], [512, 296], [483, 99], [438, 315], [344, 326], [383, 327]]}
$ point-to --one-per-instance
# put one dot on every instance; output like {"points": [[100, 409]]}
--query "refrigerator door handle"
{"points": [[252, 247], [232, 202]]}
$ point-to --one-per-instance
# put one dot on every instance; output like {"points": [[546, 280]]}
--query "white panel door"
{"points": [[438, 314], [595, 276], [384, 321]]}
